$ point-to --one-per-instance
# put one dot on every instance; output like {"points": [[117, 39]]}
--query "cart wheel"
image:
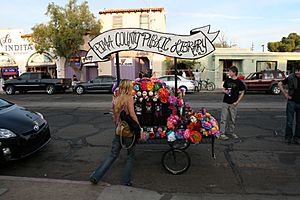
{"points": [[176, 161], [179, 144]]}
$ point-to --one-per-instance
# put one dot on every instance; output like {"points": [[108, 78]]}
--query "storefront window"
{"points": [[266, 65]]}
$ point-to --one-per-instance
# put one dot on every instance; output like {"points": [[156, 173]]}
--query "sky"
{"points": [[245, 23]]}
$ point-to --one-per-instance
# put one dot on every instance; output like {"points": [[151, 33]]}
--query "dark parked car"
{"points": [[36, 81], [22, 132], [100, 83], [266, 80]]}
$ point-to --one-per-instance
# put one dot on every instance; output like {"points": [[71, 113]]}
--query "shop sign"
{"points": [[132, 39], [9, 71], [11, 42]]}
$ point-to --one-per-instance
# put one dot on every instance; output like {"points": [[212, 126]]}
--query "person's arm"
{"points": [[284, 92], [131, 110], [240, 98]]}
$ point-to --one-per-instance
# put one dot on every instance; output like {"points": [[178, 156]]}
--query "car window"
{"points": [[164, 78], [279, 75], [34, 76], [25, 76], [4, 104], [255, 76], [106, 79], [268, 75], [96, 80], [171, 78]]}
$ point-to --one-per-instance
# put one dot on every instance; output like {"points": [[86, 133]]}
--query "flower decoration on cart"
{"points": [[166, 116]]}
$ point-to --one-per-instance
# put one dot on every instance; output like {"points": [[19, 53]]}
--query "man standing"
{"points": [[293, 105], [234, 90]]}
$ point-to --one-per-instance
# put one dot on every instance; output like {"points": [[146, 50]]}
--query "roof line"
{"points": [[110, 11]]}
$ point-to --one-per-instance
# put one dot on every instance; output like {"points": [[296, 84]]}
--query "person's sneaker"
{"points": [[235, 136], [288, 140], [128, 184], [223, 137]]}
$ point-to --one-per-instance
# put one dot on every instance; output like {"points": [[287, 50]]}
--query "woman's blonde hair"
{"points": [[125, 91]]}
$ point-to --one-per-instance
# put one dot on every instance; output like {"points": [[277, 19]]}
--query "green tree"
{"points": [[287, 44], [64, 33]]}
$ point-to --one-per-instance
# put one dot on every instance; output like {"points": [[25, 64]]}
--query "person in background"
{"points": [[234, 90], [196, 75], [293, 105], [74, 78], [124, 100], [183, 74]]}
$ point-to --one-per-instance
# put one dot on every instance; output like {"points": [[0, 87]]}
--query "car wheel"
{"points": [[10, 90], [50, 89], [275, 89], [184, 89], [79, 90]]}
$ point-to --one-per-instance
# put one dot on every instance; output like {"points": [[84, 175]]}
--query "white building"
{"points": [[217, 64]]}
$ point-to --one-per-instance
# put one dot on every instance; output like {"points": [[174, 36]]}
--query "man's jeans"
{"points": [[291, 109], [228, 117], [115, 151]]}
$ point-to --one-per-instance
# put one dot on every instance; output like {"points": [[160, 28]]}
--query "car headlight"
{"points": [[5, 133], [39, 114]]}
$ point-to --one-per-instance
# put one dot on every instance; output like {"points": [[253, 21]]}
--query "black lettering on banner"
{"points": [[197, 47], [104, 45], [146, 38]]}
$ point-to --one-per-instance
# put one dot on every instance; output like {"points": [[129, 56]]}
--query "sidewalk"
{"points": [[17, 188]]}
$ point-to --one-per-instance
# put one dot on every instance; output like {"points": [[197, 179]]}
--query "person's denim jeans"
{"points": [[115, 151], [291, 109]]}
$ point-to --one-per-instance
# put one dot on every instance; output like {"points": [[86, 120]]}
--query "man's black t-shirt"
{"points": [[296, 95], [236, 86]]}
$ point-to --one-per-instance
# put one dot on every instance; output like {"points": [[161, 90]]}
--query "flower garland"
{"points": [[183, 123]]}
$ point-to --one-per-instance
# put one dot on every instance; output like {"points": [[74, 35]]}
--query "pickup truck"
{"points": [[36, 81]]}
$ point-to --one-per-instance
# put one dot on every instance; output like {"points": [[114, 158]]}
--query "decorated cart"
{"points": [[162, 111]]}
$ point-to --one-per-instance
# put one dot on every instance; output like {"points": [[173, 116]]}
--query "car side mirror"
{"points": [[91, 81]]}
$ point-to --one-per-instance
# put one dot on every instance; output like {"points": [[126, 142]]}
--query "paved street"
{"points": [[257, 163]]}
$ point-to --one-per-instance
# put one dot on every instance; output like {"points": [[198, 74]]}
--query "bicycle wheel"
{"points": [[211, 86], [176, 161], [180, 144], [204, 85]]}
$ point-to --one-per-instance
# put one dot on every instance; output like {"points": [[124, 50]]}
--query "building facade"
{"points": [[132, 62], [216, 65], [17, 55]]}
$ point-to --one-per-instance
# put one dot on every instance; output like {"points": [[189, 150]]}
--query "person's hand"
{"points": [[287, 96], [235, 103]]}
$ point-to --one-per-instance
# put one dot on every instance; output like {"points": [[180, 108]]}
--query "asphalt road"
{"points": [[257, 163]]}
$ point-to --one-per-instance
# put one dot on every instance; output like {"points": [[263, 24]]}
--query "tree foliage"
{"points": [[287, 44], [64, 33], [182, 64], [223, 42]]}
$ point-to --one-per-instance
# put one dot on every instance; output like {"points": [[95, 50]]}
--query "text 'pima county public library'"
{"points": [[17, 55]]}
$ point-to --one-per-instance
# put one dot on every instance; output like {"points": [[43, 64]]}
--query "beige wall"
{"points": [[157, 22]]}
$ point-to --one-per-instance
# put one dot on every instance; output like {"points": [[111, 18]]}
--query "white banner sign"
{"points": [[132, 39]]}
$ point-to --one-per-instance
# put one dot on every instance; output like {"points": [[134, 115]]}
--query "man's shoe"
{"points": [[223, 137], [93, 180], [288, 140], [235, 136]]}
